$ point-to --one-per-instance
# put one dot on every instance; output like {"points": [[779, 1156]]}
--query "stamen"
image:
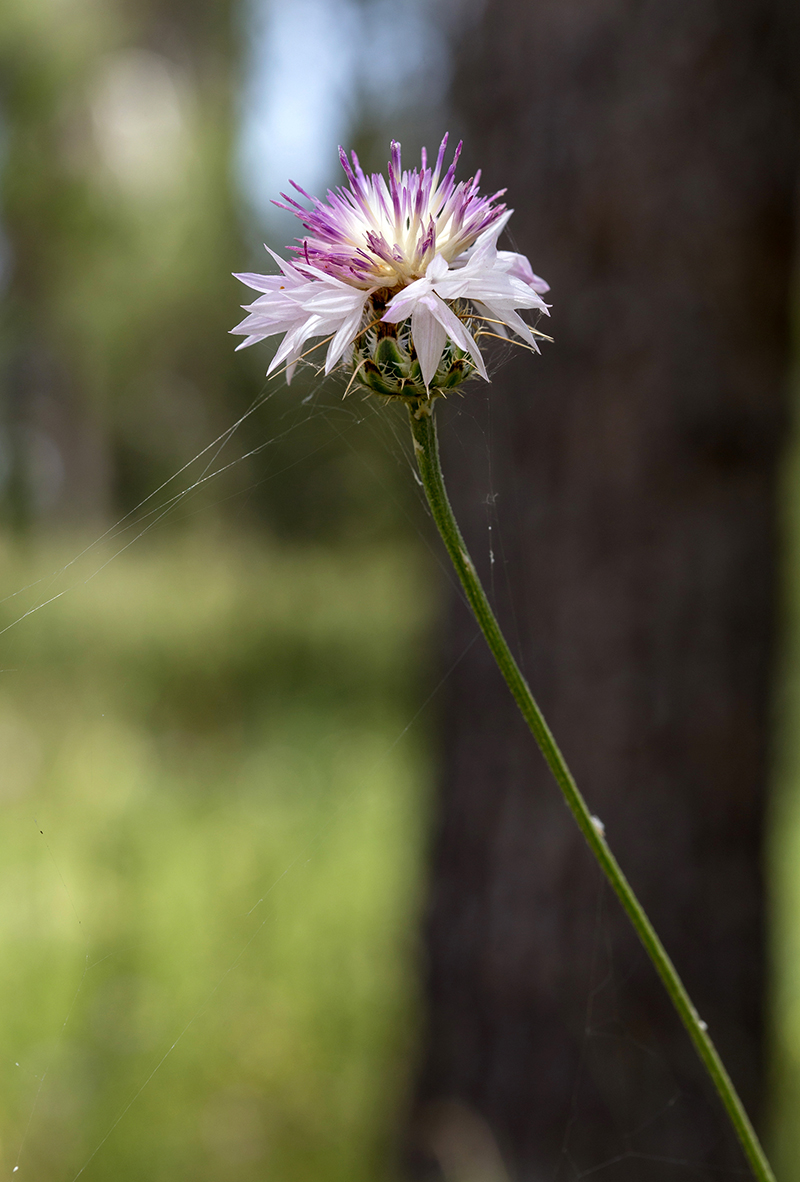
{"points": [[439, 160]]}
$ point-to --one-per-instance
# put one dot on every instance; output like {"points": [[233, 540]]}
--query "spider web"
{"points": [[614, 1046], [88, 565], [602, 1025]]}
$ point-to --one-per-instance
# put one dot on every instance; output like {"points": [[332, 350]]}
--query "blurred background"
{"points": [[284, 890]]}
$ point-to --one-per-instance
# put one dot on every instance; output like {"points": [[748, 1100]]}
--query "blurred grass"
{"points": [[210, 851]]}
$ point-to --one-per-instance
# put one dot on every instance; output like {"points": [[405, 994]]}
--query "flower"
{"points": [[400, 275]]}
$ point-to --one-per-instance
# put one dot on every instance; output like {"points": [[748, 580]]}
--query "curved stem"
{"points": [[423, 430]]}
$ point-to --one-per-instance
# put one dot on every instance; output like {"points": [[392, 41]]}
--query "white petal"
{"points": [[286, 265], [401, 306], [429, 340], [252, 340], [290, 276], [331, 303], [292, 344], [437, 269], [458, 333], [273, 318], [343, 339], [519, 266], [301, 302], [486, 282], [515, 322], [258, 282]]}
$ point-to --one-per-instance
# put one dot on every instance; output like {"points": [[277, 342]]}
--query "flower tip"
{"points": [[345, 163], [440, 157], [395, 164]]}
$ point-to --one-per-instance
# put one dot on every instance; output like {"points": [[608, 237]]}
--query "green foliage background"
{"points": [[209, 861]]}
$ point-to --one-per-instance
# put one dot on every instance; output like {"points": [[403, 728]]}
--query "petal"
{"points": [[344, 338], [515, 322], [437, 269], [401, 306], [519, 266], [267, 324], [286, 265], [331, 303], [292, 344], [429, 340], [289, 276], [458, 333], [252, 340], [258, 282], [485, 280]]}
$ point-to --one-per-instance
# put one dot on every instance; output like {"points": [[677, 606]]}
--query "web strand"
{"points": [[155, 509]]}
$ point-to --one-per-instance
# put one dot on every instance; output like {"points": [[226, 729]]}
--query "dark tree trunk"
{"points": [[649, 150]]}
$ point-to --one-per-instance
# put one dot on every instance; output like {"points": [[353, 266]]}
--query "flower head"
{"points": [[400, 274]]}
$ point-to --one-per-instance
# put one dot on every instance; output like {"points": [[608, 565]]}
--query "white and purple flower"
{"points": [[400, 275]]}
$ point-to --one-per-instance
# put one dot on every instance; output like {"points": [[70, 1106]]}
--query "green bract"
{"points": [[385, 362]]}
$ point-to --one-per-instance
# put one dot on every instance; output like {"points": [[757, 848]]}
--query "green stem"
{"points": [[423, 430]]}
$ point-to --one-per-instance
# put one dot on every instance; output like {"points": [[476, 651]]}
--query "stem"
{"points": [[423, 430]]}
